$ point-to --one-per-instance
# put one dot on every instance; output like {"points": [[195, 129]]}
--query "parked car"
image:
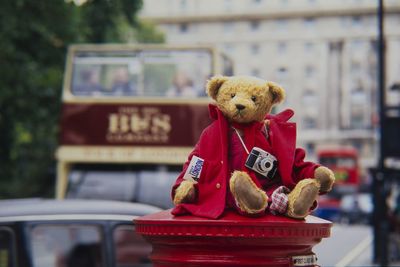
{"points": [[66, 233], [356, 208]]}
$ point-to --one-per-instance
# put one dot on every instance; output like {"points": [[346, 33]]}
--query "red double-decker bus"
{"points": [[343, 161], [130, 116]]}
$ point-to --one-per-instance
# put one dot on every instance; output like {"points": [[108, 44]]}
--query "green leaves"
{"points": [[34, 36]]}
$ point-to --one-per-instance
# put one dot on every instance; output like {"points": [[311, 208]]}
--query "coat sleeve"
{"points": [[195, 152], [302, 169]]}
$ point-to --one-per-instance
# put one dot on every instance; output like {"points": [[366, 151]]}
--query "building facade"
{"points": [[323, 52]]}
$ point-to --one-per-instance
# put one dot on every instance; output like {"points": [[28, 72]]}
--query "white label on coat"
{"points": [[194, 169]]}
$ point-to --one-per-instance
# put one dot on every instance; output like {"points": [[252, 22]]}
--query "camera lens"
{"points": [[264, 165]]}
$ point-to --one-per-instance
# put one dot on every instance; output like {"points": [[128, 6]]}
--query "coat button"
{"points": [[218, 185], [222, 162]]}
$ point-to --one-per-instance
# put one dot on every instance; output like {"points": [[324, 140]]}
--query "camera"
{"points": [[262, 162]]}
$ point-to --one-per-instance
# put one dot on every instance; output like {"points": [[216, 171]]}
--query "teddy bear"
{"points": [[246, 159]]}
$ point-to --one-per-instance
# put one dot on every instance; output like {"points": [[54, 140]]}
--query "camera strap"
{"points": [[241, 141]]}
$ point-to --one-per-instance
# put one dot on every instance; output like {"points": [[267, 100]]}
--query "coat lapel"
{"points": [[283, 141]]}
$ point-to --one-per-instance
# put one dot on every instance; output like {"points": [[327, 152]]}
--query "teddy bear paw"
{"points": [[185, 193], [249, 198], [302, 198]]}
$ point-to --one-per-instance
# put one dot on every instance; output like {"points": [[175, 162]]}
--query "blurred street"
{"points": [[349, 245]]}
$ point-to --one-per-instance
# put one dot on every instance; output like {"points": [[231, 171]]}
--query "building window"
{"points": [[358, 97], [310, 148], [309, 98], [309, 23], [229, 48], [281, 24], [282, 48], [309, 122], [254, 25], [183, 4], [183, 28], [256, 2], [255, 49], [359, 101], [282, 74], [255, 72], [356, 21], [228, 27], [309, 71], [228, 5], [308, 48]]}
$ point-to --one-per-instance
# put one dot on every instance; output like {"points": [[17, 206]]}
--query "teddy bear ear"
{"points": [[278, 93], [214, 84]]}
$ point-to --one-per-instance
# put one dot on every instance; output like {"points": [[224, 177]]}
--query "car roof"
{"points": [[40, 208]]}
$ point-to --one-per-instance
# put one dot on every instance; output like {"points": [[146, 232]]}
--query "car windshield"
{"points": [[150, 73], [130, 248], [66, 246]]}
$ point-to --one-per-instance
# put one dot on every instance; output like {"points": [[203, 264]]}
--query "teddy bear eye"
{"points": [[233, 95], [254, 98]]}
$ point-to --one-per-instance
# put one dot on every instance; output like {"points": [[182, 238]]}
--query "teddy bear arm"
{"points": [[302, 169]]}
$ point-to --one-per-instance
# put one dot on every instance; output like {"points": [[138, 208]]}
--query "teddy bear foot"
{"points": [[302, 198], [249, 198], [325, 177]]}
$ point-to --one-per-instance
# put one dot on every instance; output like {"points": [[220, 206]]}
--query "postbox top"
{"points": [[232, 224]]}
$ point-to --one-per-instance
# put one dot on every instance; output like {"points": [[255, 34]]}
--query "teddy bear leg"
{"points": [[302, 197], [249, 198]]}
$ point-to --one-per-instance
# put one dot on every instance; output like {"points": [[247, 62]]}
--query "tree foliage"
{"points": [[34, 36]]}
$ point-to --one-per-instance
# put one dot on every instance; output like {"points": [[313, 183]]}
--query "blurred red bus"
{"points": [[343, 161], [130, 116]]}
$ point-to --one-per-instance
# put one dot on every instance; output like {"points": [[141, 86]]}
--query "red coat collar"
{"points": [[284, 116]]}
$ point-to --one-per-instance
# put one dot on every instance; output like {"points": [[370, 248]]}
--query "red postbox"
{"points": [[232, 240]]}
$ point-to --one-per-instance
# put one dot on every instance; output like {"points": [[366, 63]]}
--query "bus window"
{"points": [[338, 162], [150, 73], [176, 73], [130, 248], [105, 75], [6, 247], [227, 65], [103, 184], [122, 183], [347, 163], [66, 246]]}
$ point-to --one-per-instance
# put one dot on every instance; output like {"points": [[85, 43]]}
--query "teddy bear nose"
{"points": [[240, 107]]}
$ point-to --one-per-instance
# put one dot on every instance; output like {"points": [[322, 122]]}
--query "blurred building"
{"points": [[324, 53]]}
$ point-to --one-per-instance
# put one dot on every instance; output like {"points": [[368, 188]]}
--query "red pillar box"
{"points": [[232, 240]]}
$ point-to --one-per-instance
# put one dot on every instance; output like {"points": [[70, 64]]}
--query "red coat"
{"points": [[213, 148]]}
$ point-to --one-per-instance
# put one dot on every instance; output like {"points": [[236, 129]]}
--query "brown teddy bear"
{"points": [[246, 159]]}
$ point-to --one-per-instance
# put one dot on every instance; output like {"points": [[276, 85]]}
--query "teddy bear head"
{"points": [[244, 99]]}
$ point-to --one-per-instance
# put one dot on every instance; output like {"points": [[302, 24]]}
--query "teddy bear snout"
{"points": [[240, 106]]}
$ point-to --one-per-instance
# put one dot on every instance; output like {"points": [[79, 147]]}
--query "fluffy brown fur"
{"points": [[256, 95]]}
